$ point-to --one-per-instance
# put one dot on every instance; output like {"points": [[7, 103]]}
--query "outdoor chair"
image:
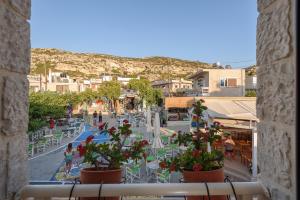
{"points": [[163, 177], [30, 150], [58, 136], [161, 154], [41, 146], [133, 173], [164, 139]]}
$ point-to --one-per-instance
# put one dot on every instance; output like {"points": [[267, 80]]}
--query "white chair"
{"points": [[163, 177], [133, 173]]}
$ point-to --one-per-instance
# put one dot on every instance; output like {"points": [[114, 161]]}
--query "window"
{"points": [[231, 82], [200, 83], [228, 82], [223, 82]]}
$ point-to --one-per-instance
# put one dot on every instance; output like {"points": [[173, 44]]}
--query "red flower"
{"points": [[172, 167], [125, 121], [144, 155], [112, 130], [163, 165], [174, 135], [196, 153], [126, 155], [81, 150], [127, 125], [197, 167], [101, 126], [144, 142], [89, 139]]}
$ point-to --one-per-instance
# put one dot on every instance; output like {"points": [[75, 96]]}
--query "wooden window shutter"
{"points": [[231, 82]]}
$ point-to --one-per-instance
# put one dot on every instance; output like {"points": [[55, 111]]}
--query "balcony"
{"points": [[239, 190], [200, 91]]}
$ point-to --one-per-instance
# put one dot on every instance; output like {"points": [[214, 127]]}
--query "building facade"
{"points": [[218, 82], [250, 82], [173, 86]]}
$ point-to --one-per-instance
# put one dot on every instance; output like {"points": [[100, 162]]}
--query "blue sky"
{"points": [[204, 30]]}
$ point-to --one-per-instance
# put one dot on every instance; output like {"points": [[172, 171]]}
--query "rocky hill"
{"points": [[88, 65]]}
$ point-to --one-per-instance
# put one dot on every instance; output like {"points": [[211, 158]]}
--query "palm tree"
{"points": [[43, 68]]}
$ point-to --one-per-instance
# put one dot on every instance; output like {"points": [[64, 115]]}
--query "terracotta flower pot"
{"points": [[93, 176], [204, 176]]}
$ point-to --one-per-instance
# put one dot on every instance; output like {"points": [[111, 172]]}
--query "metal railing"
{"points": [[144, 189]]}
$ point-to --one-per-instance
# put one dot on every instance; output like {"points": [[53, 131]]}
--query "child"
{"points": [[68, 158]]}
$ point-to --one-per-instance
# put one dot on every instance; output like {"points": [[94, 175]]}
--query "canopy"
{"points": [[157, 141]]}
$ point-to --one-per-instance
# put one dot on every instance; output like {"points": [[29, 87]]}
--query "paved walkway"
{"points": [[42, 167]]}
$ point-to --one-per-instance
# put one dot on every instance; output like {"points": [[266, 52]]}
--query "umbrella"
{"points": [[157, 141], [149, 127]]}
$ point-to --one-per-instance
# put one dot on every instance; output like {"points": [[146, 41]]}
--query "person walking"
{"points": [[100, 117], [51, 125], [95, 118], [68, 158]]}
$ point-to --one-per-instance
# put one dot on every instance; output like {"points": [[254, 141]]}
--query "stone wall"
{"points": [[14, 66], [276, 96]]}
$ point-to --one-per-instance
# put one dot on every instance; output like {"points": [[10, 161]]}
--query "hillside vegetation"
{"points": [[89, 65]]}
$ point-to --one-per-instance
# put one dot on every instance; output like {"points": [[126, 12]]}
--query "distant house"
{"points": [[35, 82], [218, 82], [125, 80], [122, 80], [93, 84], [251, 80], [173, 86]]}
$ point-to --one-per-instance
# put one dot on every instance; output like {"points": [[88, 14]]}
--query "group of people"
{"points": [[97, 118]]}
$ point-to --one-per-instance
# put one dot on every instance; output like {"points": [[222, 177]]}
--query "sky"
{"points": [[201, 30]]}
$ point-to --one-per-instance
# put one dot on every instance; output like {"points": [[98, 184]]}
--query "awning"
{"points": [[231, 109], [240, 108]]}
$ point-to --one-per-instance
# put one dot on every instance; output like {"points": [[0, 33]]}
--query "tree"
{"points": [[45, 105], [87, 96], [145, 91], [111, 90]]}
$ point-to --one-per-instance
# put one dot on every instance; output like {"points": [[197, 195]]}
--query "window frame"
{"points": [[226, 82]]}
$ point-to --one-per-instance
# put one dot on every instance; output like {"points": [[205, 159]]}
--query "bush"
{"points": [[251, 93]]}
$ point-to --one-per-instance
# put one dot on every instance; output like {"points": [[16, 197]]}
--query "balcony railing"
{"points": [[145, 189]]}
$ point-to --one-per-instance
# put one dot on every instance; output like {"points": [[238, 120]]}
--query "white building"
{"points": [[125, 80]]}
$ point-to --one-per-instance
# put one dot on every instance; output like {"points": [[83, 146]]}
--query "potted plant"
{"points": [[200, 162], [106, 159]]}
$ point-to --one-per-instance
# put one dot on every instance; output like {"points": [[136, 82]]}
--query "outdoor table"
{"points": [[182, 148], [71, 129]]}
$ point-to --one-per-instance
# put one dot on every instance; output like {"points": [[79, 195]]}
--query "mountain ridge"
{"points": [[91, 65]]}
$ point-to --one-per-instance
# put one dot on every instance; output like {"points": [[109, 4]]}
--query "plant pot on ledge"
{"points": [[199, 162], [96, 176], [112, 155], [204, 176]]}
